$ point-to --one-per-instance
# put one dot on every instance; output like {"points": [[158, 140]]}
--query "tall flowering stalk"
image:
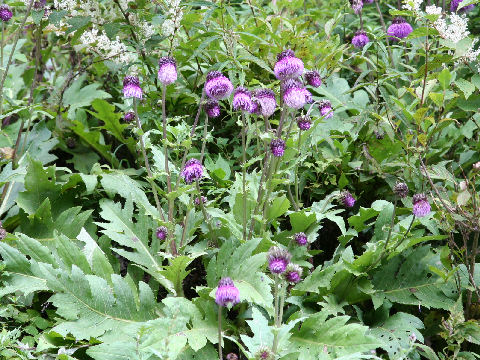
{"points": [[227, 295]]}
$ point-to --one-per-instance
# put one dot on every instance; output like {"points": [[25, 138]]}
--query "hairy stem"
{"points": [[382, 21], [472, 269], [220, 333], [244, 177], [205, 215]]}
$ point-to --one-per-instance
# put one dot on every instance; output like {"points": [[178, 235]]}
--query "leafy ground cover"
{"points": [[239, 180]]}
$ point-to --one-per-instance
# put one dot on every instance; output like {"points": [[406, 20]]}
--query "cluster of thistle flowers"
{"points": [[421, 206], [279, 264]]}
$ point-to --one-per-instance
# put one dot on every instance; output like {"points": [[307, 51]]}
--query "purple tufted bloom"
{"points": [[360, 39], [129, 116], [325, 108], [293, 273], [278, 259], [294, 94], [399, 29], [167, 70], [131, 87], [39, 4], [401, 190], [313, 78], [192, 171], [421, 206], [357, 6], [3, 232], [197, 200], [227, 293], [162, 232], [5, 13], [278, 147], [218, 86], [264, 102], [347, 199], [454, 6], [232, 356], [288, 66], [212, 108], [304, 122], [368, 2], [242, 100], [300, 238]]}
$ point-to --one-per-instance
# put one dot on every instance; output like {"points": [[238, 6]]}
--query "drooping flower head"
{"points": [[131, 87], [454, 6], [218, 86], [313, 78], [421, 206], [242, 100], [129, 117], [198, 199], [325, 108], [360, 39], [192, 171], [288, 66], [300, 238], [212, 108], [167, 70], [347, 199], [277, 146], [293, 273], [162, 232], [357, 6], [399, 29], [264, 102], [264, 353], [295, 95], [227, 293], [5, 13], [401, 190], [278, 259], [304, 122]]}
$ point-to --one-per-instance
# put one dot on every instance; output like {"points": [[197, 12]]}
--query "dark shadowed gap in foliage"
{"points": [[197, 277]]}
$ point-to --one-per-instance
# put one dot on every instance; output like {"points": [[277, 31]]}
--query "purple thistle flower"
{"points": [[368, 2], [399, 29], [401, 190], [167, 70], [162, 232], [192, 171], [325, 108], [421, 206], [39, 4], [278, 259], [300, 238], [129, 116], [304, 122], [288, 66], [264, 353], [242, 100], [212, 108], [197, 200], [232, 356], [5, 13], [313, 78], [294, 94], [218, 86], [454, 6], [3, 232], [357, 6], [227, 293], [293, 273], [278, 147], [360, 39], [264, 102], [131, 87], [347, 199]]}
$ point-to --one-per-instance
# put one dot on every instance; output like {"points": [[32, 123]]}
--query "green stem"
{"points": [[204, 141], [296, 170], [405, 235], [388, 237], [244, 177], [382, 21], [270, 176], [265, 171], [1, 59], [202, 206], [277, 313], [220, 356]]}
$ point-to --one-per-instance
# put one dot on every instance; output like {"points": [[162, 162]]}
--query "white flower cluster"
{"points": [[174, 17], [471, 55], [413, 5]]}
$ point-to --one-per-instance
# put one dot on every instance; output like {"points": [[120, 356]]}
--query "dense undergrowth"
{"points": [[239, 180]]}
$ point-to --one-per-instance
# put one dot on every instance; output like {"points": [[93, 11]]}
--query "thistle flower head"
{"points": [[131, 87], [264, 102], [197, 200], [360, 39], [227, 293], [129, 117], [304, 122], [212, 108], [399, 29], [288, 66], [242, 100], [5, 13], [293, 273], [357, 6], [347, 199], [313, 78], [162, 232], [264, 353], [295, 95], [300, 238], [278, 259], [3, 232], [454, 6], [167, 70], [325, 108], [232, 356], [218, 86], [401, 190], [277, 146], [39, 4], [421, 206], [192, 171]]}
